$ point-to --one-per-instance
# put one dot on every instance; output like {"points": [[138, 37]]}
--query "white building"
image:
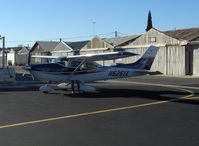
{"points": [[17, 55]]}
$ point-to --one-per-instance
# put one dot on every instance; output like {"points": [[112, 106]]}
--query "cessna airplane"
{"points": [[74, 71]]}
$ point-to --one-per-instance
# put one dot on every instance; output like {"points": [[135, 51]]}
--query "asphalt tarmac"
{"points": [[141, 111]]}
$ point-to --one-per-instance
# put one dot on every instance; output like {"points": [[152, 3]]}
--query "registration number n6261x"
{"points": [[118, 73]]}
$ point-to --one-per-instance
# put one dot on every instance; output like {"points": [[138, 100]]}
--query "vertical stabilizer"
{"points": [[146, 61]]}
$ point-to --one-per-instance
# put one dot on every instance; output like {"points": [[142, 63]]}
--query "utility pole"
{"points": [[3, 51], [115, 33]]}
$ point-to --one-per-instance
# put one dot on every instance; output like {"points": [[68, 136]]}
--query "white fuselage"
{"points": [[102, 73]]}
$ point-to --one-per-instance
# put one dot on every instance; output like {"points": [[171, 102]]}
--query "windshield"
{"points": [[84, 66]]}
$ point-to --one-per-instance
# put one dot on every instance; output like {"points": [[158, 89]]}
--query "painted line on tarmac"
{"points": [[154, 84], [192, 98], [99, 111], [178, 87]]}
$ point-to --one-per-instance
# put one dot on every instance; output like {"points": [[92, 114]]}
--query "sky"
{"points": [[26, 21]]}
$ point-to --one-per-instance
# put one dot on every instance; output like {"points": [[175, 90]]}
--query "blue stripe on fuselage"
{"points": [[57, 68]]}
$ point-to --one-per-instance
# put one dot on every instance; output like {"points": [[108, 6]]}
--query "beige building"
{"points": [[178, 54], [56, 48], [102, 45], [179, 50]]}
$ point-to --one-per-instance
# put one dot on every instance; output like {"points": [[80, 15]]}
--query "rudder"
{"points": [[146, 61]]}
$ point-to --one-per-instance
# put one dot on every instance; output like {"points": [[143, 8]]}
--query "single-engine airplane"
{"points": [[74, 71]]}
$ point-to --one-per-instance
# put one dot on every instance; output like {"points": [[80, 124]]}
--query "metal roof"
{"points": [[117, 41], [47, 45], [184, 34], [16, 49], [77, 45], [24, 50], [19, 50]]}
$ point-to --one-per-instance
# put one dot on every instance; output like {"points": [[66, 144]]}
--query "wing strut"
{"points": [[73, 82], [72, 73]]}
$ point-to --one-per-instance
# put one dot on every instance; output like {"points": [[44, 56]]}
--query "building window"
{"points": [[152, 39]]}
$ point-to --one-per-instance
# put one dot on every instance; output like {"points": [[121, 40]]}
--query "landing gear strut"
{"points": [[75, 84]]}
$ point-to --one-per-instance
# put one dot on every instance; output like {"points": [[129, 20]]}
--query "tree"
{"points": [[149, 22]]}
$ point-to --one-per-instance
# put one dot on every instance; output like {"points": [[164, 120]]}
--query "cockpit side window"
{"points": [[84, 66], [74, 63], [89, 65]]}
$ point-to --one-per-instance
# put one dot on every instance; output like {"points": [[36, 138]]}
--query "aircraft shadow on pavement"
{"points": [[18, 88], [173, 96]]}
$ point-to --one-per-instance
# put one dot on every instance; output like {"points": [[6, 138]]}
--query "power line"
{"points": [[94, 27], [87, 37], [122, 33], [65, 38]]}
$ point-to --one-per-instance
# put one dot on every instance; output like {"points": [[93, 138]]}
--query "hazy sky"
{"points": [[25, 21]]}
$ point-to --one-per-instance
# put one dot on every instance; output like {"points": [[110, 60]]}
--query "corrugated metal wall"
{"points": [[170, 60], [21, 59], [175, 61], [196, 61], [1, 62]]}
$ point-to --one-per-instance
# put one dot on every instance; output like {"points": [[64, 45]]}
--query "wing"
{"points": [[92, 57], [103, 56], [50, 57]]}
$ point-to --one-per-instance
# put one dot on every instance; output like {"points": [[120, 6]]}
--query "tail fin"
{"points": [[146, 61]]}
